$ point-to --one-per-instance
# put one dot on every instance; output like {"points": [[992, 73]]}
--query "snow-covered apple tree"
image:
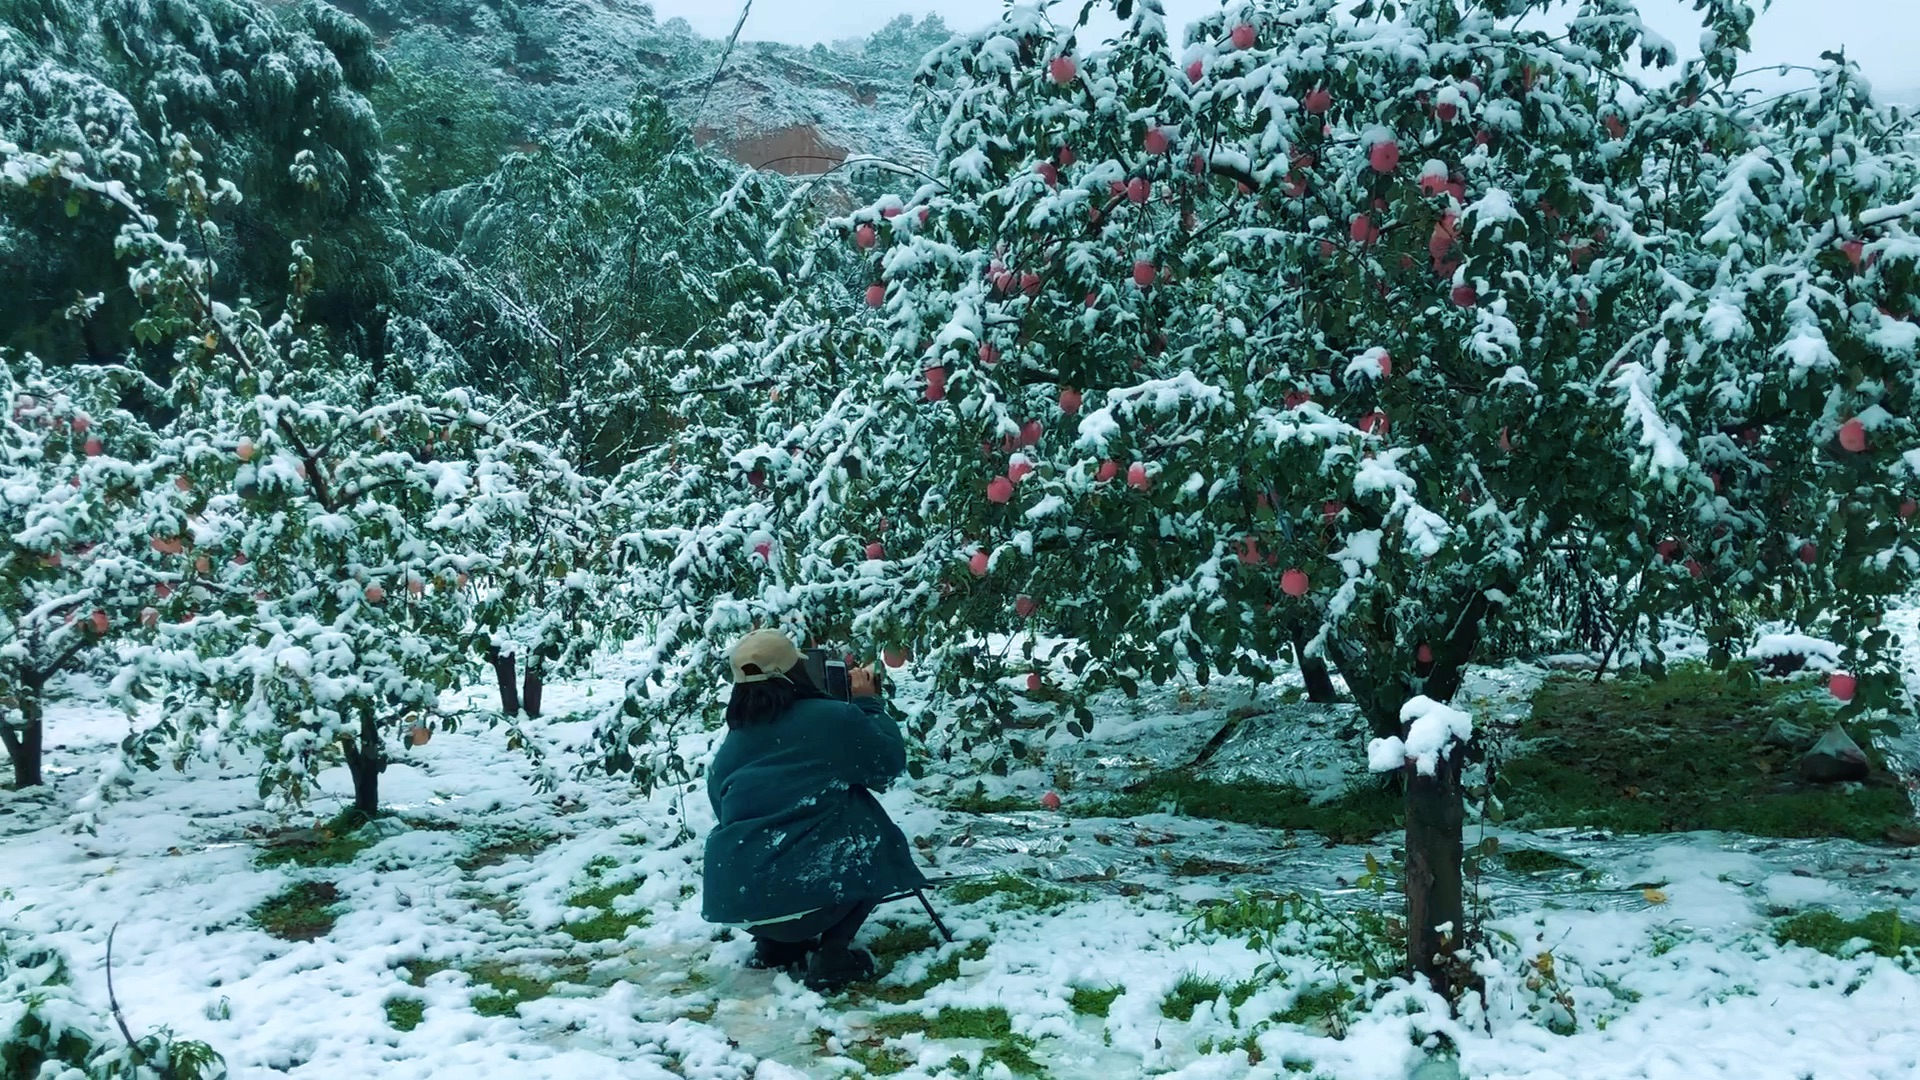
{"points": [[328, 565], [1357, 320], [80, 488]]}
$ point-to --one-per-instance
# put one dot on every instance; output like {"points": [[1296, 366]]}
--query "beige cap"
{"points": [[763, 655]]}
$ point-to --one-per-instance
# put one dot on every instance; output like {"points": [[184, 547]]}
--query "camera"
{"points": [[828, 671]]}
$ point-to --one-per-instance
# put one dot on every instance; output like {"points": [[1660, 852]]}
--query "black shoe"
{"points": [[780, 955], [835, 968]]}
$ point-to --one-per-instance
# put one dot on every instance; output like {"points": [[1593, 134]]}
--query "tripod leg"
{"points": [[931, 914]]}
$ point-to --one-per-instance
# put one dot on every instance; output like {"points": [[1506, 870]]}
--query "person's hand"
{"points": [[860, 681]]}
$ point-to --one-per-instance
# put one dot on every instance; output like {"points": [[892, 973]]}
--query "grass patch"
{"points": [[1010, 891], [1192, 991], [304, 911], [945, 969], [1317, 1005], [606, 923], [1883, 933], [1088, 1001], [501, 989], [977, 801], [1535, 861], [1684, 753], [515, 844], [1355, 817], [335, 842], [899, 941], [405, 1013], [989, 1025]]}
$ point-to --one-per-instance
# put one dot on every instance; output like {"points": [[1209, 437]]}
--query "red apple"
{"points": [[420, 735], [1139, 190], [1423, 654], [1853, 436], [1332, 509], [1809, 553], [1018, 469], [1695, 568], [1069, 400], [1297, 398], [163, 590], [244, 450], [1854, 250], [1137, 477], [1465, 296], [1842, 685], [1249, 553], [1243, 36], [1386, 364], [149, 616], [891, 212], [416, 586], [1506, 444], [864, 236], [1294, 582], [81, 424], [93, 446], [1023, 605], [1066, 156], [1194, 71], [1374, 423], [1050, 801], [1907, 507], [1445, 232], [988, 354], [1318, 101], [1155, 141], [876, 294], [1000, 490], [183, 483], [936, 384], [376, 594], [1046, 172], [1107, 471], [762, 549], [894, 658], [1030, 283], [1030, 433], [1445, 111], [1384, 156], [1063, 69], [1615, 126], [98, 620], [876, 550], [202, 564], [1362, 229], [1143, 272], [757, 477], [1033, 683]]}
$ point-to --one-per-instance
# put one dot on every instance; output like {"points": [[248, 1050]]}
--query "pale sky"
{"points": [[1883, 36]]}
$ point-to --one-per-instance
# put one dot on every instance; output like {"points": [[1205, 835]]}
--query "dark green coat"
{"points": [[798, 827]]}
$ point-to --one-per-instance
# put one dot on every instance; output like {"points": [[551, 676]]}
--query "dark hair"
{"points": [[753, 704]]}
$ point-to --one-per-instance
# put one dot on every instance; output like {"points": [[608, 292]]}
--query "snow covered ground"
{"points": [[1661, 964]]}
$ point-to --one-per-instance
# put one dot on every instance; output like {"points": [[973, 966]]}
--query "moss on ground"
{"points": [[1884, 933], [499, 847], [1535, 861], [306, 910], [1322, 1004], [1637, 755], [500, 989]]}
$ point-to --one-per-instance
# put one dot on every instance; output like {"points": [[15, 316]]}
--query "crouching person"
{"points": [[802, 852]]}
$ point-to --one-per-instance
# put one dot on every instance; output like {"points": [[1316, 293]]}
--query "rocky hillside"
{"points": [[797, 110]]}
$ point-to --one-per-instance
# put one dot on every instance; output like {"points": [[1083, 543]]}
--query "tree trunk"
{"points": [[1313, 669], [530, 694], [1436, 902], [503, 673], [24, 746], [366, 760]]}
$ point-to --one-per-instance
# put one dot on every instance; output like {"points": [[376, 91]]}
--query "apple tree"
{"points": [[1359, 321]]}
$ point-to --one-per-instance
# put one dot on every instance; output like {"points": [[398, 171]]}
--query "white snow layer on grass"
{"points": [[1691, 986]]}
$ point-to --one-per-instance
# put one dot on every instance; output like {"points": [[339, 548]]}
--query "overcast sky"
{"points": [[1882, 35]]}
